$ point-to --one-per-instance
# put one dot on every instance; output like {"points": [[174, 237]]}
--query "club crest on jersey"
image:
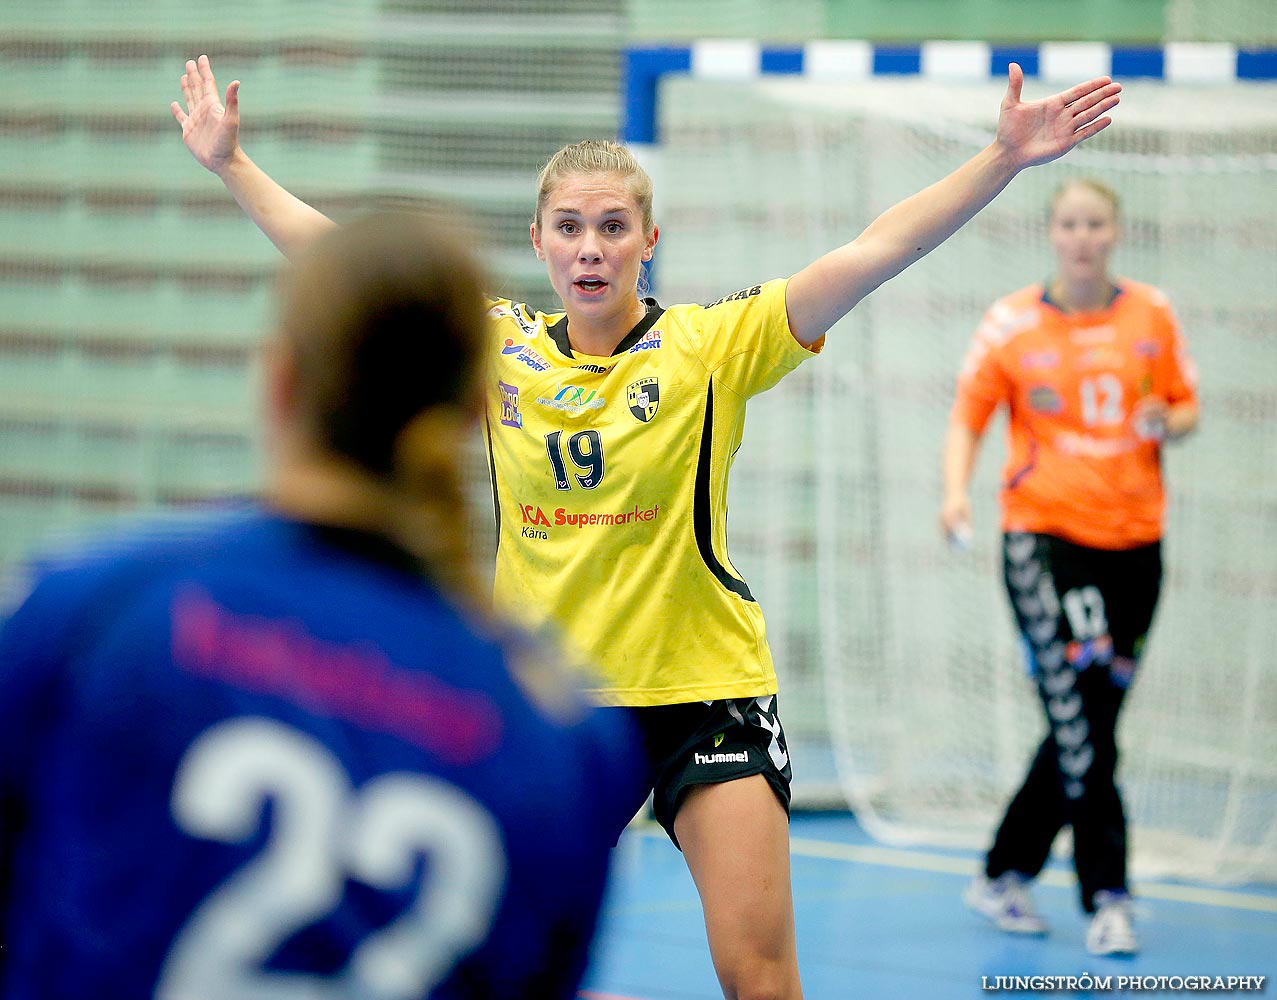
{"points": [[1044, 399], [644, 396]]}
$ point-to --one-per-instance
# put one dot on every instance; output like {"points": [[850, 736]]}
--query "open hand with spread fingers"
{"points": [[1034, 132], [210, 128]]}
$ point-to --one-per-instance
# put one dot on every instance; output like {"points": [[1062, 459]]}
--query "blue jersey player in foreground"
{"points": [[278, 751]]}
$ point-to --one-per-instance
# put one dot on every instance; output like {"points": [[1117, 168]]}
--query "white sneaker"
{"points": [[1006, 901], [1112, 930]]}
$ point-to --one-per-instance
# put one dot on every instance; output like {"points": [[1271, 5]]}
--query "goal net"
{"points": [[897, 655]]}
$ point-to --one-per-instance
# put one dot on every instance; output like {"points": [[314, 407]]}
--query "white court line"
{"points": [[948, 864], [891, 857]]}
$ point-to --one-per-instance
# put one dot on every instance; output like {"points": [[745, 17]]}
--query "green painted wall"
{"points": [[1245, 22], [998, 20]]}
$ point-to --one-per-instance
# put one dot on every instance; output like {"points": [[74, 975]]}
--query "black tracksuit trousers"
{"points": [[1084, 614]]}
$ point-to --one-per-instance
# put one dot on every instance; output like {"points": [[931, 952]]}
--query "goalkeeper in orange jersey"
{"points": [[611, 428], [1095, 379]]}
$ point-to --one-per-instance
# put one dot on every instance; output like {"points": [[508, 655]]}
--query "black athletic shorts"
{"points": [[705, 743]]}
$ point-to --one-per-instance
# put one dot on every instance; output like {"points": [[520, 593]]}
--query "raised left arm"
{"points": [[1029, 133]]}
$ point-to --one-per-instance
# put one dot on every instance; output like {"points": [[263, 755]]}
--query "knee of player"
{"points": [[759, 978]]}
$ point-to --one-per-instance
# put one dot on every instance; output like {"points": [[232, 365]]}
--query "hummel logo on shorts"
{"points": [[721, 758]]}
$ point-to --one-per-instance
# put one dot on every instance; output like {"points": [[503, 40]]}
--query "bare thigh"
{"points": [[735, 836]]}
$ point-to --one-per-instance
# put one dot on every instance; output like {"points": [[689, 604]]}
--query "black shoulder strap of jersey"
{"points": [[559, 331]]}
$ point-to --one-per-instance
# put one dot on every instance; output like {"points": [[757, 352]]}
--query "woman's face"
{"points": [[1083, 233], [592, 241]]}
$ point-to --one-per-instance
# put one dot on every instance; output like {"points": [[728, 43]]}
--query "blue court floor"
{"points": [[878, 922]]}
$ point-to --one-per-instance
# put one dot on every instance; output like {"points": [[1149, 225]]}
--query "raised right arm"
{"points": [[210, 130], [1029, 133]]}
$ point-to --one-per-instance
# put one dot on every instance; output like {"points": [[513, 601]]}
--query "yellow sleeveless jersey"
{"points": [[610, 479]]}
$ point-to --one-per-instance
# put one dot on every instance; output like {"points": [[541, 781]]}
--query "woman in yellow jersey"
{"points": [[1095, 378], [611, 428]]}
